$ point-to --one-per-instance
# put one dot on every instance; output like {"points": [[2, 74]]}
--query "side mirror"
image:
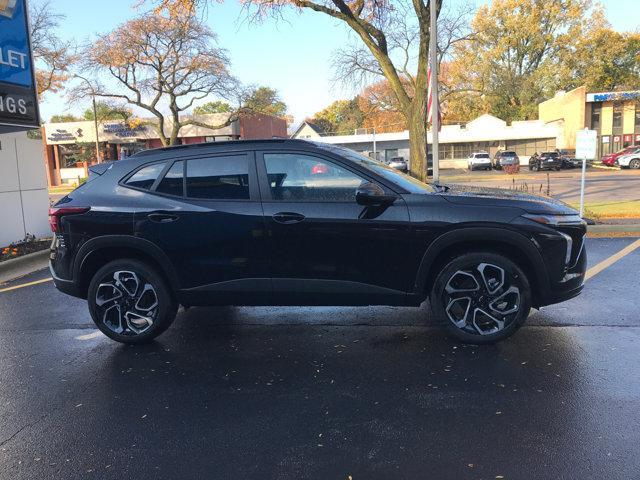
{"points": [[372, 194]]}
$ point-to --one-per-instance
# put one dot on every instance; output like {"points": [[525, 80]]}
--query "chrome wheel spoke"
{"points": [[128, 281], [486, 323], [458, 310], [147, 299], [506, 303], [492, 277], [137, 323], [112, 318], [462, 281], [107, 293]]}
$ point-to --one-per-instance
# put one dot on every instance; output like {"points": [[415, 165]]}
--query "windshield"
{"points": [[508, 154], [482, 155], [407, 182]]}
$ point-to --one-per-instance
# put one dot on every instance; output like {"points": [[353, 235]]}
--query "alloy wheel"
{"points": [[126, 303], [635, 164], [482, 300]]}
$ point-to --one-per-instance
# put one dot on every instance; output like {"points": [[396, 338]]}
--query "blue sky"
{"points": [[291, 56]]}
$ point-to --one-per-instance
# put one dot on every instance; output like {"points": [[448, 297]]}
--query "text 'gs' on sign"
{"points": [[18, 98]]}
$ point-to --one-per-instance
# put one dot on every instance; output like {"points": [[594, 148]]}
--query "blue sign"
{"points": [[18, 99]]}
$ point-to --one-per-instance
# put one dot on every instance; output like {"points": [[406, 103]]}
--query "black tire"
{"points": [[486, 324], [534, 167], [149, 310], [634, 164]]}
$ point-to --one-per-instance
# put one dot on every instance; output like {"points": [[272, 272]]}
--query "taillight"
{"points": [[56, 213]]}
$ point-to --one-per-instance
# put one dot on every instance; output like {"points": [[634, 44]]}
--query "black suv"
{"points": [[545, 161], [291, 222]]}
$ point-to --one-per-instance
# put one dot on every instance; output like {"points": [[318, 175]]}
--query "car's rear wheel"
{"points": [[481, 297], [534, 167], [634, 164], [130, 302]]}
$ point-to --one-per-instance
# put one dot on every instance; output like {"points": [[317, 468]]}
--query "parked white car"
{"points": [[479, 161], [630, 160]]}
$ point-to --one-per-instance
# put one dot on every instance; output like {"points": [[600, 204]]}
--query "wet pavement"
{"points": [[324, 393]]}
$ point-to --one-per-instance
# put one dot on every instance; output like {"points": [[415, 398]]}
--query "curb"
{"points": [[629, 229], [18, 267]]}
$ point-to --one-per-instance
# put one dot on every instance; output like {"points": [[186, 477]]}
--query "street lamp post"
{"points": [[95, 115]]}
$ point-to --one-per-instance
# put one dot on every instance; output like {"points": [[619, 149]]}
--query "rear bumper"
{"points": [[69, 287]]}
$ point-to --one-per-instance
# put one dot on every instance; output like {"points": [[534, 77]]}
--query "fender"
{"points": [[497, 235], [126, 241]]}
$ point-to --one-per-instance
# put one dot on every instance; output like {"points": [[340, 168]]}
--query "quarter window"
{"points": [[171, 183], [224, 177], [297, 177], [145, 177]]}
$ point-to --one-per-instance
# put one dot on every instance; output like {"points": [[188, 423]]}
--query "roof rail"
{"points": [[210, 144]]}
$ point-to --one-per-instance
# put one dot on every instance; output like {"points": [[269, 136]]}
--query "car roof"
{"points": [[195, 147]]}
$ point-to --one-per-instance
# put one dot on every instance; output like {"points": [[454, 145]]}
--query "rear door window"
{"points": [[146, 176], [172, 182], [219, 178]]}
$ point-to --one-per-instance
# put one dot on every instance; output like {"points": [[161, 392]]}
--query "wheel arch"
{"points": [[97, 252], [515, 246]]}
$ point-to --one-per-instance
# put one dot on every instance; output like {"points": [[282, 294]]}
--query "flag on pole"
{"points": [[430, 99]]}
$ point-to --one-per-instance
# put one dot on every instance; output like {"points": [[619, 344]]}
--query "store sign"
{"points": [[616, 138], [612, 96], [605, 139], [628, 138], [60, 135], [122, 130], [637, 137], [18, 98]]}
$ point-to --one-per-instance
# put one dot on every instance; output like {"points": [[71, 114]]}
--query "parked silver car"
{"points": [[399, 163]]}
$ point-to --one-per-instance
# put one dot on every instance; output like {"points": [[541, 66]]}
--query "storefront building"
{"points": [[70, 148], [456, 142], [614, 115]]}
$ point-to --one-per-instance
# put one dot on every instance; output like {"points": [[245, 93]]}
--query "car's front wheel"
{"points": [[130, 302], [481, 297]]}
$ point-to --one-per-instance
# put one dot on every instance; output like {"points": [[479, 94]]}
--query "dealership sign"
{"points": [[18, 98]]}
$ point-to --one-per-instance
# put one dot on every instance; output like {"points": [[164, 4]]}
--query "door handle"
{"points": [[162, 217], [288, 217]]}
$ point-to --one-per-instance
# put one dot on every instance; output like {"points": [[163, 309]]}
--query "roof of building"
{"points": [[316, 128]]}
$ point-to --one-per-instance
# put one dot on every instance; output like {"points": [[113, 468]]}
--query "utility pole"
{"points": [[375, 152], [435, 120], [95, 115]]}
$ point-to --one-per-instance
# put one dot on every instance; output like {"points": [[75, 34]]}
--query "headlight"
{"points": [[555, 219]]}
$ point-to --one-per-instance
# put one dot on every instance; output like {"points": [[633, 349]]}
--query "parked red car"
{"points": [[610, 160]]}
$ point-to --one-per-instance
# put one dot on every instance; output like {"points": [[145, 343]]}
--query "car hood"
{"points": [[499, 197]]}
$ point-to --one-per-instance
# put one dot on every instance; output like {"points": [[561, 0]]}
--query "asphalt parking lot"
{"points": [[324, 393]]}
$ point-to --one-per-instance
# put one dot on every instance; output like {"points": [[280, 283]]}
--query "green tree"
{"points": [[64, 117], [521, 53], [607, 60], [107, 111], [265, 100], [342, 117], [212, 107]]}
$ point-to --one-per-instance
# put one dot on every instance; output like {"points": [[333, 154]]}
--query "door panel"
{"points": [[326, 241], [216, 244]]}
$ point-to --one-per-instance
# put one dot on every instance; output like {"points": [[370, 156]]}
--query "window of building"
{"points": [[596, 112], [220, 178], [637, 118], [617, 118], [390, 153], [172, 182], [297, 177], [145, 177]]}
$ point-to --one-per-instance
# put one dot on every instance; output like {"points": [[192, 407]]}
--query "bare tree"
{"points": [[162, 65], [52, 56]]}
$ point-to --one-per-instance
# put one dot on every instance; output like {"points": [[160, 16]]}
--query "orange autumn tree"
{"points": [[162, 64], [380, 108]]}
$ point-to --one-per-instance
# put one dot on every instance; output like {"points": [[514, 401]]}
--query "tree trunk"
{"points": [[417, 145]]}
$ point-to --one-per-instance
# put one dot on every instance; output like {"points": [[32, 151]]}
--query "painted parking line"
{"points": [[22, 285], [611, 260]]}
